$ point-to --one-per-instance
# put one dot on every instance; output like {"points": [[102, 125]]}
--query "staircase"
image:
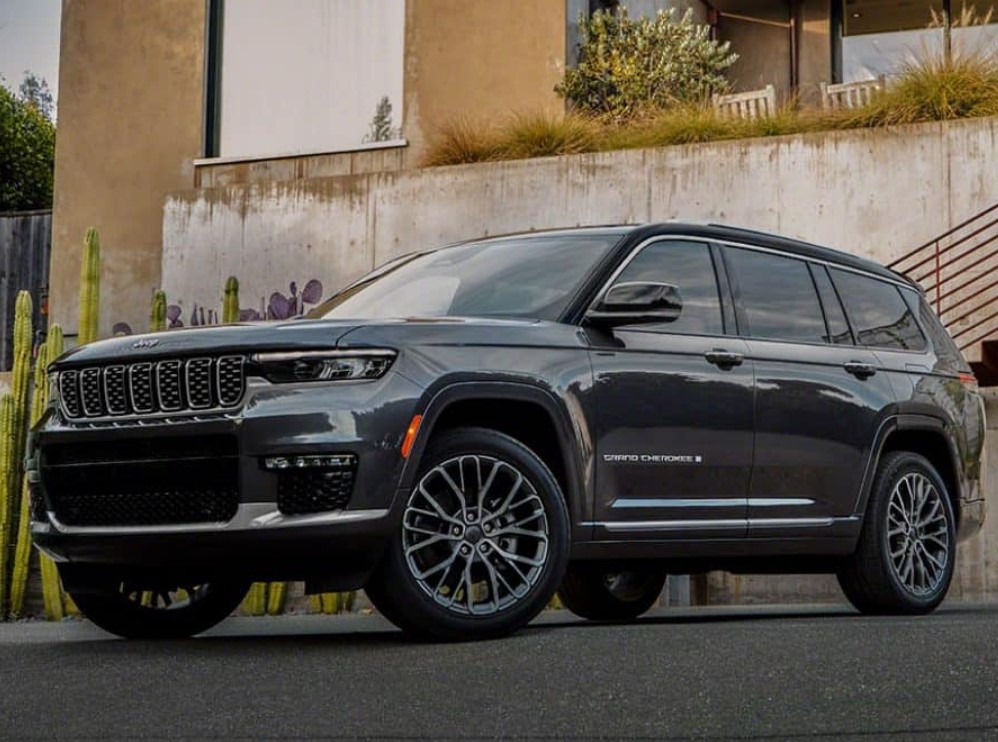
{"points": [[959, 272]]}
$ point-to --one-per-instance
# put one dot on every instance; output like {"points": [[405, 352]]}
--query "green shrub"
{"points": [[629, 65]]}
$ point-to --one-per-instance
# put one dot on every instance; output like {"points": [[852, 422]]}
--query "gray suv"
{"points": [[467, 431]]}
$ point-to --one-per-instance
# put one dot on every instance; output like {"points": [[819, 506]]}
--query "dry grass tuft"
{"points": [[928, 89]]}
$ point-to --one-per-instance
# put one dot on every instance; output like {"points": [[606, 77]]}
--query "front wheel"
{"points": [[483, 541], [907, 549], [611, 592], [157, 610]]}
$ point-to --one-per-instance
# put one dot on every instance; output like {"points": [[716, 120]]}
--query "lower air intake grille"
{"points": [[305, 491], [168, 483]]}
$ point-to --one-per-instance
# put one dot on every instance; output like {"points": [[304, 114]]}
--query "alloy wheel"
{"points": [[475, 535], [918, 534]]}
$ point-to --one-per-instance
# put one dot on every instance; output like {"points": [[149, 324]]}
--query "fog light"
{"points": [[277, 463]]}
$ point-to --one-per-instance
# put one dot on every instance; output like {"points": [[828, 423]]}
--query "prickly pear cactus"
{"points": [[157, 317], [230, 305], [90, 288]]}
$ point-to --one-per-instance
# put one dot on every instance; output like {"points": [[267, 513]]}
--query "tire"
{"points": [[603, 591], [904, 561], [480, 555], [133, 611]]}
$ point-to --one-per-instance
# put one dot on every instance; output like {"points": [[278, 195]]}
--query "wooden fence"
{"points": [[25, 244]]}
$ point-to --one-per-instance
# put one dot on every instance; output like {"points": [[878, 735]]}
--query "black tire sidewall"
{"points": [[585, 593], [408, 606], [897, 465]]}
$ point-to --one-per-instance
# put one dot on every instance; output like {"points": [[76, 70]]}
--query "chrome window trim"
{"points": [[729, 243]]}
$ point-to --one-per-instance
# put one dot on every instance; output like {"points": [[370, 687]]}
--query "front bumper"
{"points": [[366, 420]]}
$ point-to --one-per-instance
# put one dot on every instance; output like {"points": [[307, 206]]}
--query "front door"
{"points": [[674, 419]]}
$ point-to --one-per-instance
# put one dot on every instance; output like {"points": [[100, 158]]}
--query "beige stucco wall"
{"points": [[815, 49], [130, 101], [479, 60]]}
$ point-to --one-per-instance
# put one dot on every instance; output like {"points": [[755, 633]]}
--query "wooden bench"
{"points": [[850, 94], [752, 104]]}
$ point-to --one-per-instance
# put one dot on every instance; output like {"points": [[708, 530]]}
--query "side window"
{"points": [[688, 266], [835, 317], [778, 296], [879, 314]]}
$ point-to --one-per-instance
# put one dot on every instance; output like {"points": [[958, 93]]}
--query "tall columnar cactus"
{"points": [[51, 587], [89, 288], [6, 494], [22, 553], [230, 305], [157, 317], [21, 380]]}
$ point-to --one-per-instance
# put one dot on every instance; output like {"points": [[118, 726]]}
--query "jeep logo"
{"points": [[149, 343]]}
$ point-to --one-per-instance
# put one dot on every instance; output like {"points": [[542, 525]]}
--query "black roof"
{"points": [[722, 232]]}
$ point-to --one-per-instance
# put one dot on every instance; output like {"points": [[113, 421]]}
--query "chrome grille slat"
{"points": [[153, 387]]}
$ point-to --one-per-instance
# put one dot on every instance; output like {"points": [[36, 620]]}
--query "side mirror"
{"points": [[637, 302]]}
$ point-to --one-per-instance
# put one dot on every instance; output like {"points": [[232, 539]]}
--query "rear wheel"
{"points": [[483, 541], [907, 549], [141, 609], [603, 591]]}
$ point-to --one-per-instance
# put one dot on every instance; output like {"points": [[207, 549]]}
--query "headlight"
{"points": [[324, 365]]}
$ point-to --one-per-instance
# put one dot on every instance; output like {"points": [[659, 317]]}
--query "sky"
{"points": [[29, 40]]}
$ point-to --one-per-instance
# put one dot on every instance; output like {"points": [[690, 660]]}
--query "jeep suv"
{"points": [[467, 431]]}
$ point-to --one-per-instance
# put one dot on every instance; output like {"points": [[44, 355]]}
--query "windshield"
{"points": [[533, 276]]}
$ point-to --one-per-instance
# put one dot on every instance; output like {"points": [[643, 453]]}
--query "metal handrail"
{"points": [[948, 287]]}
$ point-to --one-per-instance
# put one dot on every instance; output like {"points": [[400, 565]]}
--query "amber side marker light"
{"points": [[968, 379], [410, 435]]}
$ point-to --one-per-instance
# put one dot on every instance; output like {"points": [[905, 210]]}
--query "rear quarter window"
{"points": [[880, 316]]}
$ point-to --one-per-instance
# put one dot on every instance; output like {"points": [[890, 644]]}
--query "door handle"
{"points": [[859, 370], [723, 358]]}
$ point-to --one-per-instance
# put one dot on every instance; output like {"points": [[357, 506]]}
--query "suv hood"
{"points": [[291, 335]]}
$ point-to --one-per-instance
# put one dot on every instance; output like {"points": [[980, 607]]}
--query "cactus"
{"points": [[6, 495], [51, 587], [255, 603], [333, 602], [22, 554], [157, 317], [277, 593], [89, 288], [230, 305]]}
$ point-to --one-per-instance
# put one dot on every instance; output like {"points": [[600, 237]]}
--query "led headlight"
{"points": [[324, 365]]}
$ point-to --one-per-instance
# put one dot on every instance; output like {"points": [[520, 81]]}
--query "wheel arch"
{"points": [[921, 434], [532, 415]]}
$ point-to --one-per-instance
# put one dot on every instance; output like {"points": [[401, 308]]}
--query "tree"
{"points": [[27, 154], [627, 65], [381, 129], [35, 91]]}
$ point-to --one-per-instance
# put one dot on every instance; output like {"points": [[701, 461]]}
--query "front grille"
{"points": [[36, 503], [304, 491], [146, 388], [142, 482]]}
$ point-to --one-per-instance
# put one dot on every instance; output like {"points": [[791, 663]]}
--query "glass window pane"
{"points": [[778, 296], [838, 327], [879, 314], [688, 266]]}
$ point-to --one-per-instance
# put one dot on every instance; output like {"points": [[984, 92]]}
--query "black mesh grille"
{"points": [[69, 391], [140, 385], [152, 387], [114, 390], [230, 380], [199, 383], [168, 384], [161, 482], [93, 399], [304, 491]]}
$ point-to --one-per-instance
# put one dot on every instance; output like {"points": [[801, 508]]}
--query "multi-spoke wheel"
{"points": [[482, 544], [143, 609], [603, 591], [904, 561]]}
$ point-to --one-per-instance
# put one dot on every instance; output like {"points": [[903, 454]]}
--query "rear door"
{"points": [[674, 419], [818, 396]]}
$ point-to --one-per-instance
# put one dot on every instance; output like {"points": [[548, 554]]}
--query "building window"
{"points": [[880, 36], [303, 76]]}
